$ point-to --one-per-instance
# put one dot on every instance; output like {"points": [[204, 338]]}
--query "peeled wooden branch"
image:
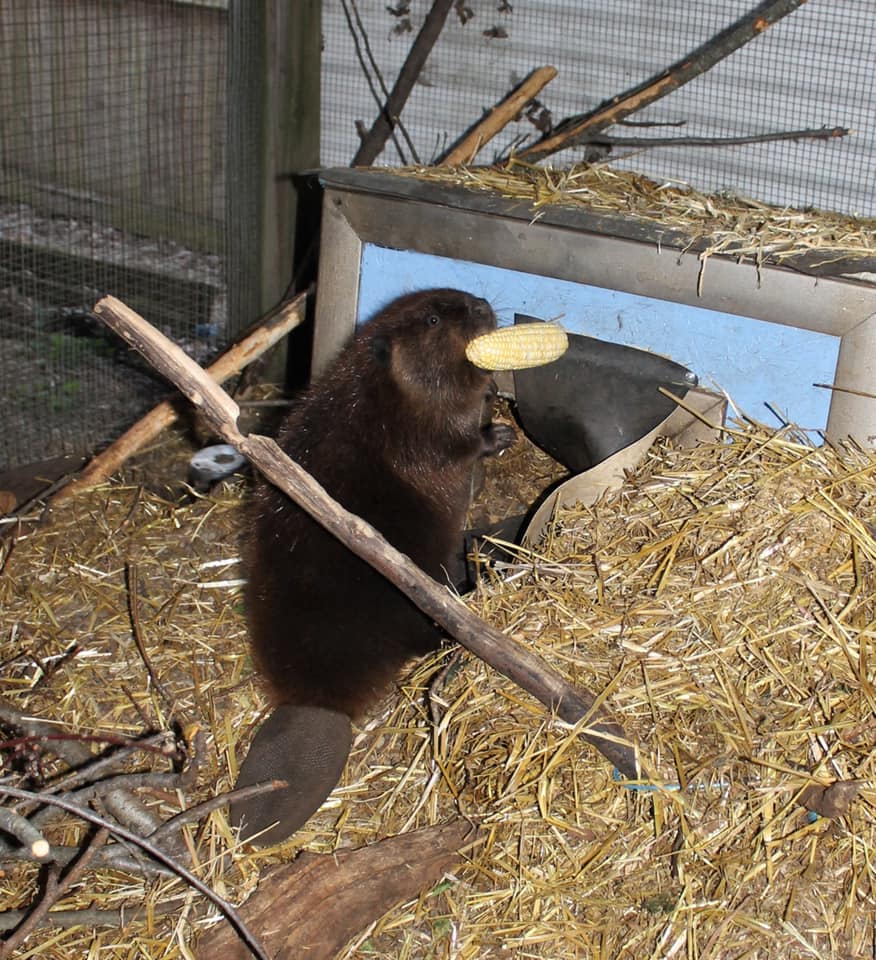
{"points": [[269, 332], [573, 705], [25, 832], [498, 118], [575, 130]]}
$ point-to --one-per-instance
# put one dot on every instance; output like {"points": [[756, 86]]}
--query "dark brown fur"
{"points": [[392, 430]]}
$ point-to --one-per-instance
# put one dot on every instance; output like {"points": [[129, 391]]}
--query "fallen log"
{"points": [[314, 905]]}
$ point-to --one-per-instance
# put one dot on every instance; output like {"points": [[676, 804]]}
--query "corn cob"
{"points": [[518, 347]]}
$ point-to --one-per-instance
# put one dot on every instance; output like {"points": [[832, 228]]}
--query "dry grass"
{"points": [[724, 598], [715, 223]]}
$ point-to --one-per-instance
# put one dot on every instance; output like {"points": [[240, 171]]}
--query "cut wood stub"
{"points": [[313, 906]]}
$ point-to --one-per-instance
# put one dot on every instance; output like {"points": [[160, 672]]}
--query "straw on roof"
{"points": [[714, 223]]}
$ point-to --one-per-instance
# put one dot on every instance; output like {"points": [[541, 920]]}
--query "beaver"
{"points": [[392, 430]]}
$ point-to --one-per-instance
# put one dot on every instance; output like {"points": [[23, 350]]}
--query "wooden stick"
{"points": [[55, 888], [573, 705], [498, 118], [373, 141], [857, 393], [230, 363], [571, 131], [818, 133]]}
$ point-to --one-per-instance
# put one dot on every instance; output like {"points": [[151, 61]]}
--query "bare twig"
{"points": [[201, 810], [155, 779], [74, 753], [116, 856], [134, 613], [498, 118], [377, 136], [821, 133], [154, 851], [571, 131], [10, 919], [366, 44], [56, 885], [857, 393], [102, 766]]}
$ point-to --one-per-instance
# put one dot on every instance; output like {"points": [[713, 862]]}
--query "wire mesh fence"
{"points": [[117, 128], [812, 68], [111, 180]]}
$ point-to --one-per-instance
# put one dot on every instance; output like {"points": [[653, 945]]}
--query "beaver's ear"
{"points": [[381, 347]]}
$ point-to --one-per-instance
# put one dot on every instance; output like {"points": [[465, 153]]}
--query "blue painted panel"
{"points": [[754, 362]]}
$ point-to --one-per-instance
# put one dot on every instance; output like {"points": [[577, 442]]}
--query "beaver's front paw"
{"points": [[496, 438]]}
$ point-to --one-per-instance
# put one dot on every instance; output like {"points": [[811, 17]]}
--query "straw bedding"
{"points": [[723, 600]]}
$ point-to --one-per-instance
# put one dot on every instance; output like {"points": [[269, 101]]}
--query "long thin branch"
{"points": [[570, 131], [821, 133], [572, 704], [154, 851], [154, 779], [372, 61], [88, 917], [115, 856], [200, 810], [377, 136], [133, 595]]}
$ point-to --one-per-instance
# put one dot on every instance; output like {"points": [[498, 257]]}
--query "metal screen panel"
{"points": [[112, 141], [815, 67]]}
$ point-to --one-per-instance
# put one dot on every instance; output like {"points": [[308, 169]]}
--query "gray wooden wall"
{"points": [[99, 101]]}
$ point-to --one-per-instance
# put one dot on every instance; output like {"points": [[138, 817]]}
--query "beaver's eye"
{"points": [[433, 319]]}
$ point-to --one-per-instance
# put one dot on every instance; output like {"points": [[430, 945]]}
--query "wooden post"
{"points": [[273, 104]]}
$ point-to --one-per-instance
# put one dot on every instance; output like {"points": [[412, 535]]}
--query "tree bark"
{"points": [[314, 905]]}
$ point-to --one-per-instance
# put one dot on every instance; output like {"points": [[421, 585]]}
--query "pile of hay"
{"points": [[713, 223], [723, 600]]}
